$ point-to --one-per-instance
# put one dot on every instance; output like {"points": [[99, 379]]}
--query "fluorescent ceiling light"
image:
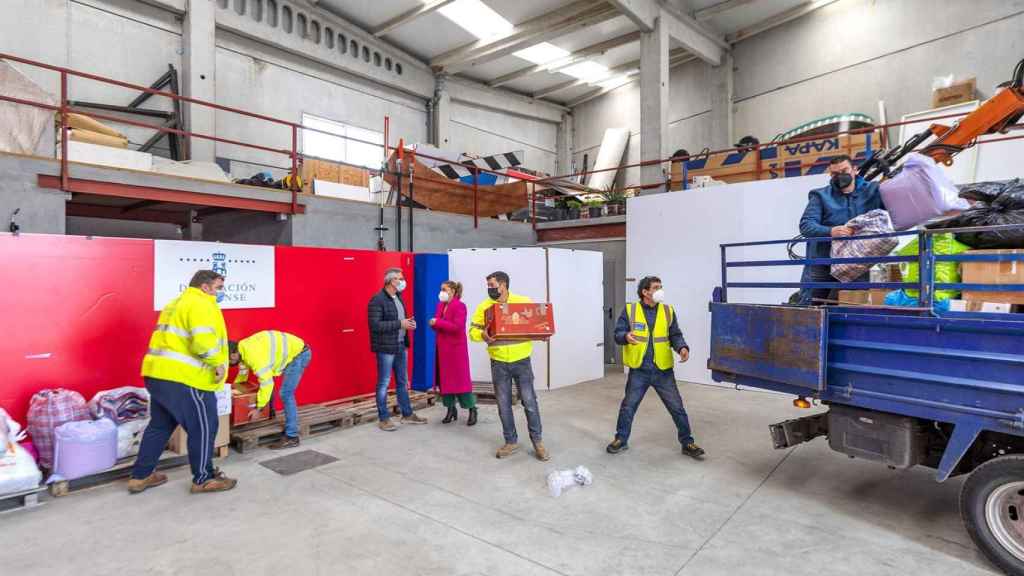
{"points": [[477, 18], [542, 53], [587, 71]]}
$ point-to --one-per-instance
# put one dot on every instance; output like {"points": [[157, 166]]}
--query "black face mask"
{"points": [[494, 293], [842, 180]]}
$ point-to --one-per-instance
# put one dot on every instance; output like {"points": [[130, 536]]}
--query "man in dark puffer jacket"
{"points": [[389, 340]]}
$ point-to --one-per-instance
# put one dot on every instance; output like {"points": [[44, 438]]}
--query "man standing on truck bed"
{"points": [[649, 333], [828, 210]]}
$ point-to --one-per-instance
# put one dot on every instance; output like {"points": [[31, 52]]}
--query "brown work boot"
{"points": [[135, 486], [507, 450], [540, 451], [413, 418], [219, 484], [285, 442], [387, 426]]}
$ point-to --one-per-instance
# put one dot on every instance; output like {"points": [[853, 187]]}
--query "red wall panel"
{"points": [[78, 314]]}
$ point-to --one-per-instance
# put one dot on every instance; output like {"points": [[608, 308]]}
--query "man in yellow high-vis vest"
{"points": [[649, 332], [510, 362], [185, 366], [268, 354]]}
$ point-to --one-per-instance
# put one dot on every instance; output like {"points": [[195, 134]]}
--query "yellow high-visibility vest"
{"points": [[502, 351], [267, 353], [189, 342], [633, 354]]}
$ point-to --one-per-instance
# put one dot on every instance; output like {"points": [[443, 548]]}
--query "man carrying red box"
{"points": [[510, 362], [268, 354]]}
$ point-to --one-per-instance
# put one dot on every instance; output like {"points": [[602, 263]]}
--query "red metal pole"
{"points": [[295, 169], [64, 131], [533, 204], [476, 193]]}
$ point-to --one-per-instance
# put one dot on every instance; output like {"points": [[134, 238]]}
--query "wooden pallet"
{"points": [[120, 471], [316, 419], [485, 393], [21, 500]]}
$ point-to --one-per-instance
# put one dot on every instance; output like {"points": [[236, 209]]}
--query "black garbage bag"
{"points": [[1000, 203]]}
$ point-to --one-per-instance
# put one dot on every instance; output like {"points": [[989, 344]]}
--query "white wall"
{"points": [[841, 58], [676, 237]]}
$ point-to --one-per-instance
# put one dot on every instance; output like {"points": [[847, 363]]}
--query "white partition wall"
{"points": [[576, 283], [676, 237], [571, 280]]}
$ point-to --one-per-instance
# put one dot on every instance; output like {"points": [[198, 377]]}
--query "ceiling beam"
{"points": [[777, 20], [704, 43], [408, 16], [139, 205], [562, 63], [677, 57], [602, 91], [710, 12], [575, 16]]}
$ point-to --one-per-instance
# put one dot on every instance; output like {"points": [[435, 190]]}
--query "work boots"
{"points": [[472, 417], [452, 416], [507, 450], [413, 418], [136, 486], [540, 451], [617, 446], [220, 483], [693, 451]]}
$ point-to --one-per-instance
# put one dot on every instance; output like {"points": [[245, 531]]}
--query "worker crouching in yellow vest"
{"points": [[648, 332], [184, 367], [510, 363], [268, 354]]}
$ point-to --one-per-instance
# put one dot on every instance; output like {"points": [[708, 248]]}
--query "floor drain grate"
{"points": [[297, 462]]}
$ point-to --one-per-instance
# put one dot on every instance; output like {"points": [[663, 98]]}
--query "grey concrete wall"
{"points": [[247, 228], [689, 123], [841, 58], [110, 227], [483, 131], [40, 211], [345, 224]]}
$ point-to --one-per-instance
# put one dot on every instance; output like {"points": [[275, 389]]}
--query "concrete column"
{"points": [[565, 144], [654, 103], [442, 111], [721, 80], [199, 75]]}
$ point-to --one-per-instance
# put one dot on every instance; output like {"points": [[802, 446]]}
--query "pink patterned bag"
{"points": [[49, 409]]}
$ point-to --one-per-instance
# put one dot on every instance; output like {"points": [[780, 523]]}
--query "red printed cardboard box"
{"points": [[534, 321], [242, 402]]}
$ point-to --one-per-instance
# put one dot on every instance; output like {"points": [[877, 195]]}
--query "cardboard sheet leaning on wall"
{"points": [[22, 127]]}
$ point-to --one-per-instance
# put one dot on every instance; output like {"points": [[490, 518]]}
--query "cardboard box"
{"points": [[863, 297], [972, 306], [534, 321], [1011, 272], [242, 403], [179, 439], [958, 93]]}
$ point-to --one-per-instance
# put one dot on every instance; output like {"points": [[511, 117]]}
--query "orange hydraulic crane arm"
{"points": [[997, 114]]}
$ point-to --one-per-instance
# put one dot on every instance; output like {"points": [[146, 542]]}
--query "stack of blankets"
{"points": [[121, 404]]}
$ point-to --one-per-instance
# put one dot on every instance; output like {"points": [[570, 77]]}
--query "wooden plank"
{"points": [[21, 500], [436, 192], [119, 471]]}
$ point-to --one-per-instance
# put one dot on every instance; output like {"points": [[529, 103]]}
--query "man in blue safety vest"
{"points": [[648, 332]]}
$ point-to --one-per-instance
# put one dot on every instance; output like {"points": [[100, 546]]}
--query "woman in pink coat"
{"points": [[452, 374]]}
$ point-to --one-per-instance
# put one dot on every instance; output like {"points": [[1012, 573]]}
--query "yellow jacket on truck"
{"points": [[189, 343], [267, 352], [502, 351]]}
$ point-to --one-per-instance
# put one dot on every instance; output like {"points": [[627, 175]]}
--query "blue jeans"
{"points": [[386, 364], [664, 383], [173, 404], [503, 374], [290, 377]]}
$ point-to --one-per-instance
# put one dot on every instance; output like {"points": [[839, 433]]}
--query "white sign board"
{"points": [[248, 270], [224, 400]]}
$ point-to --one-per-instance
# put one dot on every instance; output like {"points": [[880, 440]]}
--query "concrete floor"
{"points": [[433, 500]]}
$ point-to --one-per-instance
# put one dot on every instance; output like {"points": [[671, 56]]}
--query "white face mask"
{"points": [[443, 296], [658, 296], [401, 286]]}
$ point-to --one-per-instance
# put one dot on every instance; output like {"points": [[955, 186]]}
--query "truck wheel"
{"points": [[992, 508]]}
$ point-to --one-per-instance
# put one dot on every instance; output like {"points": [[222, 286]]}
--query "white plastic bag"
{"points": [[18, 472], [560, 480], [129, 437], [10, 434], [920, 192]]}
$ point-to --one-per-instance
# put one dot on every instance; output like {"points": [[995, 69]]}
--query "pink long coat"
{"points": [[452, 348]]}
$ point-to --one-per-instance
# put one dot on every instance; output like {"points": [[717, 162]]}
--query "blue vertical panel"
{"points": [[430, 271]]}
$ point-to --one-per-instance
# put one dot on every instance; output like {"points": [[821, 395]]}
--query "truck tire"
{"points": [[992, 508]]}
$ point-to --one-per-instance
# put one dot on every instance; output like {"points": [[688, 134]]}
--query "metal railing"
{"points": [[926, 260]]}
